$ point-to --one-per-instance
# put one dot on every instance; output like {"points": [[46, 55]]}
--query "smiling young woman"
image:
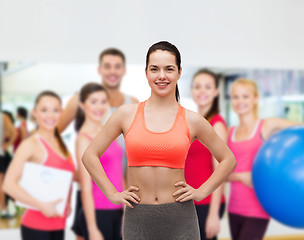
{"points": [[200, 163], [98, 218], [47, 148], [158, 133], [247, 218]]}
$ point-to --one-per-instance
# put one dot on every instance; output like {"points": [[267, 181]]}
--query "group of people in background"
{"points": [[11, 136], [99, 215]]}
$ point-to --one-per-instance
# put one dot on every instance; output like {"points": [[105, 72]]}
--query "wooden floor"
{"points": [[10, 223], [286, 238], [299, 237]]}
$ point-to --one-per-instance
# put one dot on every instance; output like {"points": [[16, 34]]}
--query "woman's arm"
{"points": [[69, 113], [23, 132], [86, 190], [213, 218], [11, 182], [243, 177], [270, 127], [97, 147], [200, 129], [273, 125]]}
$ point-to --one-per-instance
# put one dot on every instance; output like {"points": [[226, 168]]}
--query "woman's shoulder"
{"points": [[194, 118], [269, 126], [268, 122], [83, 137], [125, 112], [191, 115], [127, 108], [31, 141], [217, 118], [30, 146]]}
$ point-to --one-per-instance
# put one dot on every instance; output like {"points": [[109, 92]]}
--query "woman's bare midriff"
{"points": [[156, 184]]}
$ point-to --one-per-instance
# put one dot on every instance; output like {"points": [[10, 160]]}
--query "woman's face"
{"points": [[47, 112], [162, 73], [204, 90], [243, 99], [96, 106]]}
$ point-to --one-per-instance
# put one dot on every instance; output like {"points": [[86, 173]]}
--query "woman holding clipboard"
{"points": [[46, 148]]}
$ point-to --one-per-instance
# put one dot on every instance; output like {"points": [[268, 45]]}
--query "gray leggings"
{"points": [[163, 221]]}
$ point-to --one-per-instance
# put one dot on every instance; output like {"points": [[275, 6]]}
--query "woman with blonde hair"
{"points": [[247, 218], [44, 148]]}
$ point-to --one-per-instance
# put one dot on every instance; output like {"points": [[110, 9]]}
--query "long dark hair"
{"points": [[22, 112], [166, 46], [62, 146], [215, 108], [85, 91]]}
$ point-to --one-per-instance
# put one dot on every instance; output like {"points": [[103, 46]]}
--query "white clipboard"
{"points": [[46, 184]]}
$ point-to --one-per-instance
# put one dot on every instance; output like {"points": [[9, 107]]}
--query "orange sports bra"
{"points": [[160, 149]]}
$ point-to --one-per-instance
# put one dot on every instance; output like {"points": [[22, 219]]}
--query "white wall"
{"points": [[68, 78], [223, 33]]}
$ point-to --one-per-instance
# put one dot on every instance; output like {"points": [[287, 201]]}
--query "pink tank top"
{"points": [[243, 200], [35, 219], [111, 161], [199, 165]]}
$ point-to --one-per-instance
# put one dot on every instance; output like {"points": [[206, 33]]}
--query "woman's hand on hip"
{"points": [[126, 197], [187, 193]]}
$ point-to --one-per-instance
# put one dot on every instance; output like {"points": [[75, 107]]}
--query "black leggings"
{"points": [[34, 234], [76, 228], [108, 222], [5, 161], [247, 228], [202, 213]]}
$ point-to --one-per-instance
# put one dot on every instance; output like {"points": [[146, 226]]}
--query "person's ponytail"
{"points": [[79, 119], [177, 96], [62, 145]]}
